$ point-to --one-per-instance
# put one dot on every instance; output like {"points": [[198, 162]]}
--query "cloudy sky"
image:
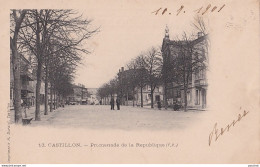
{"points": [[126, 30]]}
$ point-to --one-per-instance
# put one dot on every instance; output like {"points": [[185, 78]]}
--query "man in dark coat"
{"points": [[112, 103], [118, 103]]}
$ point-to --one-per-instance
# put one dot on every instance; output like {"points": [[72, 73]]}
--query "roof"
{"points": [[178, 43]]}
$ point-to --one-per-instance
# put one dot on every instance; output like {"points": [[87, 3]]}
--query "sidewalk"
{"points": [[31, 113], [168, 109]]}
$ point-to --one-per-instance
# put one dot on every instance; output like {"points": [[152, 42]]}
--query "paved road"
{"points": [[128, 118]]}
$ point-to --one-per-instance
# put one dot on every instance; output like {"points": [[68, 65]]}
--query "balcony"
{"points": [[26, 75], [201, 82], [27, 88]]}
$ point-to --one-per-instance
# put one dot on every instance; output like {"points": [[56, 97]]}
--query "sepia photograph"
{"points": [[149, 91], [130, 82]]}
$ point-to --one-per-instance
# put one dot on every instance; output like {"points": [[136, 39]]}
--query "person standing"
{"points": [[112, 103], [118, 103]]}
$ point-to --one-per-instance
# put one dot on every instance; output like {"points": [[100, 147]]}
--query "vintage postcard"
{"points": [[130, 82]]}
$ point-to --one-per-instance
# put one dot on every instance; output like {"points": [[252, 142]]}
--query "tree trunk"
{"points": [[151, 97], [142, 96], [58, 100], [165, 96], [16, 67], [185, 98], [133, 97], [127, 98], [17, 86], [51, 100], [39, 69], [38, 91], [185, 87], [46, 93], [54, 100]]}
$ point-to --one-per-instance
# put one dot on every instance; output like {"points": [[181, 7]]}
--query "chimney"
{"points": [[122, 69]]}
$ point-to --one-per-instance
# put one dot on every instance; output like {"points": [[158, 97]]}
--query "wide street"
{"points": [[128, 118]]}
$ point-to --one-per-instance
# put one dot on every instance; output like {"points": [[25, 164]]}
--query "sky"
{"points": [[126, 30]]}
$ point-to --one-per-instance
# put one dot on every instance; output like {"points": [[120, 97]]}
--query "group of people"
{"points": [[112, 103]]}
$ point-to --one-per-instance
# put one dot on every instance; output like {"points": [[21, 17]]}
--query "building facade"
{"points": [[26, 78], [197, 84], [92, 96], [157, 95], [28, 83], [79, 95], [130, 93]]}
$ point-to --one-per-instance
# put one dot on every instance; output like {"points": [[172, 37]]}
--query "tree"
{"points": [[142, 74], [190, 57], [61, 68], [45, 28], [132, 78], [138, 75], [108, 89], [112, 86], [200, 25], [15, 57], [153, 65]]}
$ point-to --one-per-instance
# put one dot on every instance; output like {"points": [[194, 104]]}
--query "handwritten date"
{"points": [[202, 10]]}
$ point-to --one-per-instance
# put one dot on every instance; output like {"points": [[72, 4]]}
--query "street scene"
{"points": [[60, 76], [127, 118]]}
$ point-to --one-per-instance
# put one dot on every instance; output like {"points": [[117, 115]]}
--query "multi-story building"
{"points": [[196, 92], [157, 95], [79, 95], [26, 78], [28, 83], [130, 93]]}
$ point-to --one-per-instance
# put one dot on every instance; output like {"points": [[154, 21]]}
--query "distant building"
{"points": [[128, 96], [198, 85], [92, 96], [157, 95], [79, 95]]}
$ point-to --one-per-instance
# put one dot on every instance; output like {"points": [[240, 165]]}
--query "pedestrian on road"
{"points": [[118, 103], [112, 103]]}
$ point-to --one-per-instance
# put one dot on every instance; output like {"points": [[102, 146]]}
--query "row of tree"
{"points": [[144, 70], [54, 39], [160, 66]]}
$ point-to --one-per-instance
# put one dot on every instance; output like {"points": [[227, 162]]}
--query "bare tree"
{"points": [[18, 18], [153, 64], [141, 74], [190, 57], [200, 25], [46, 26], [132, 78]]}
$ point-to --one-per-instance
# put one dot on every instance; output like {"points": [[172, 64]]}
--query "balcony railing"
{"points": [[26, 75], [201, 82], [27, 88]]}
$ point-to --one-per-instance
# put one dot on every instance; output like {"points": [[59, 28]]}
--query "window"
{"points": [[11, 94], [188, 96], [203, 74], [196, 74], [200, 74], [157, 97], [197, 97], [178, 94]]}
